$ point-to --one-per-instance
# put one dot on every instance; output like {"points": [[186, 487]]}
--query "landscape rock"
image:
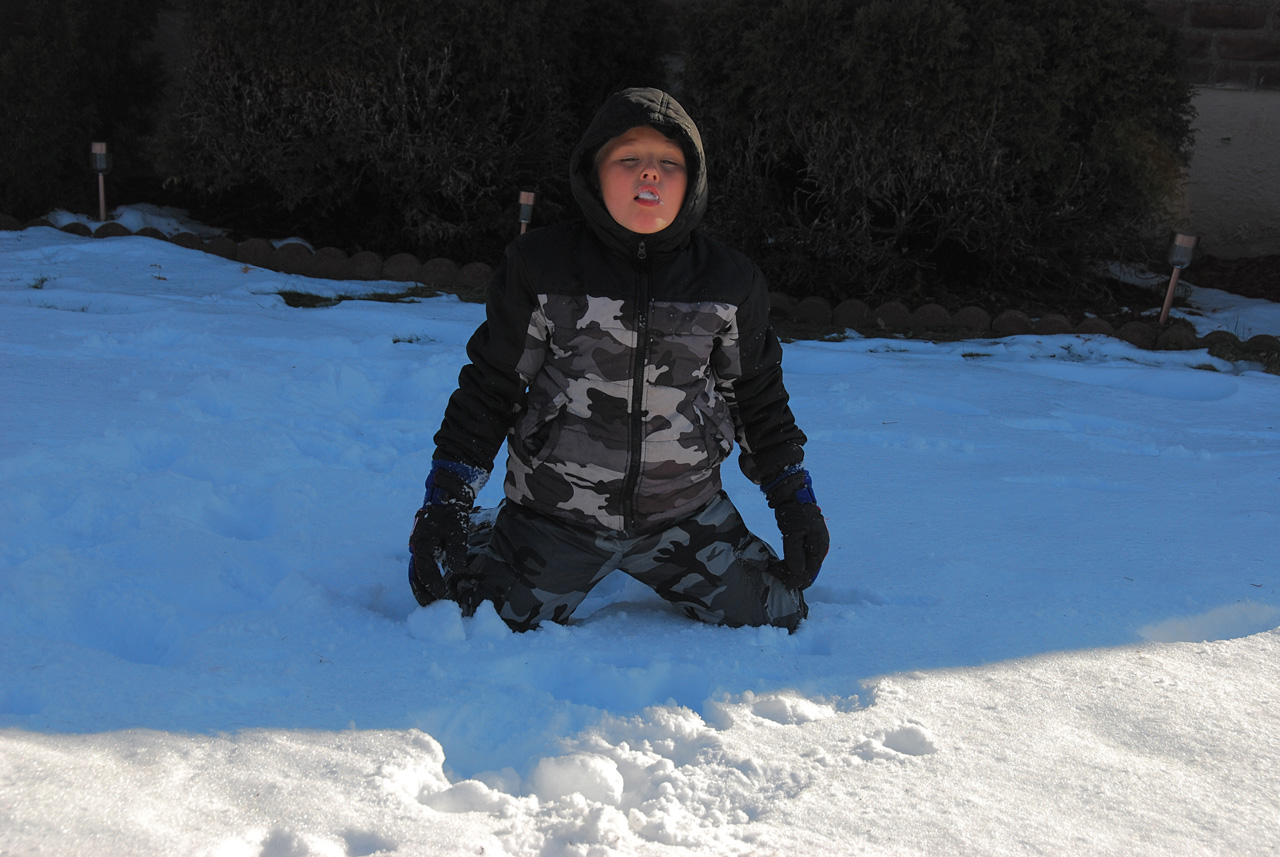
{"points": [[188, 240], [1051, 325], [849, 314], [892, 315], [224, 247], [112, 229], [257, 252], [1221, 337], [972, 318], [1178, 337], [1012, 322], [294, 258], [329, 263], [1095, 327], [440, 273], [403, 268], [1223, 344], [932, 317], [473, 281], [814, 310], [1138, 333], [1263, 343], [365, 265]]}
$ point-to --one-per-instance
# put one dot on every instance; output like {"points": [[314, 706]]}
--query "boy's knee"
{"points": [[519, 625], [524, 609], [794, 610], [517, 620], [781, 606], [749, 597]]}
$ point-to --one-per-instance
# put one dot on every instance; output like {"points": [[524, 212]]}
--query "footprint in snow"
{"points": [[909, 739], [789, 710]]}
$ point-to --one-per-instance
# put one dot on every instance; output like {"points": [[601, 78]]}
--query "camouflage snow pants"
{"points": [[536, 568]]}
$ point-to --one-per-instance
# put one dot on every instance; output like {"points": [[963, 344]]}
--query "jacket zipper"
{"points": [[631, 483]]}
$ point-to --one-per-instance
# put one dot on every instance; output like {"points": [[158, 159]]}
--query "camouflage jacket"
{"points": [[621, 368]]}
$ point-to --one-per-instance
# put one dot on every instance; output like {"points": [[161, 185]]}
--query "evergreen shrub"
{"points": [[397, 125], [72, 73], [955, 150]]}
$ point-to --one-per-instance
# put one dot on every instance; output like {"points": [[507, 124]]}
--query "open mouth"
{"points": [[648, 194]]}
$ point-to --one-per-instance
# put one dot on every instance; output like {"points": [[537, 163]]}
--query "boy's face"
{"points": [[643, 179]]}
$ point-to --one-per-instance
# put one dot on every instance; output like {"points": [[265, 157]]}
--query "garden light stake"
{"points": [[100, 160], [1179, 258], [527, 199]]}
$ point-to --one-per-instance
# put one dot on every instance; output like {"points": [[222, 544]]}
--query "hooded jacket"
{"points": [[621, 367]]}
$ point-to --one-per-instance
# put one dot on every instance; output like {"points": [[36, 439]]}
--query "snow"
{"points": [[168, 220], [1048, 623]]}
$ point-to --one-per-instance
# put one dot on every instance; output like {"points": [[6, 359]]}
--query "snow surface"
{"points": [[170, 221], [1048, 623]]}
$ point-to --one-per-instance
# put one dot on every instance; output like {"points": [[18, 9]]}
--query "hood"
{"points": [[620, 113]]}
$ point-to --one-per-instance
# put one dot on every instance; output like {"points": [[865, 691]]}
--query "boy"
{"points": [[621, 357]]}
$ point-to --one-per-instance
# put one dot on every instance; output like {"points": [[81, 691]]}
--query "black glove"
{"points": [[438, 545], [805, 539]]}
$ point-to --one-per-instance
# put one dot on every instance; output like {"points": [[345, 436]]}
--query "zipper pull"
{"points": [[641, 253]]}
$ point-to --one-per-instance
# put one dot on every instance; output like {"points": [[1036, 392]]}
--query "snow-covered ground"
{"points": [[1048, 622]]}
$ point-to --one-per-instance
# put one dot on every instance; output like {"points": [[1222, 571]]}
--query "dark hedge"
{"points": [[949, 149], [954, 150], [395, 125], [72, 73]]}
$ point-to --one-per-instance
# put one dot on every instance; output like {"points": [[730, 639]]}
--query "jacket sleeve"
{"points": [[764, 427], [504, 353]]}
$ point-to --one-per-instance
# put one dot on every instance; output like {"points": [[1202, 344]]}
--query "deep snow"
{"points": [[1048, 623]]}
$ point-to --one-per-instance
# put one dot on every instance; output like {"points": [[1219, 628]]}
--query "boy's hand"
{"points": [[438, 544], [805, 539]]}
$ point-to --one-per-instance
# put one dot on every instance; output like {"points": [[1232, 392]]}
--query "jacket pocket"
{"points": [[717, 428], [538, 431]]}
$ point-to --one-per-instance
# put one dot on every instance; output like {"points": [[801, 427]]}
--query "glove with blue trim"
{"points": [[438, 545], [805, 539]]}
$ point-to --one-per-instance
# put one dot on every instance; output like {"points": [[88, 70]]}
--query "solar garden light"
{"points": [[1179, 258], [527, 199], [100, 160]]}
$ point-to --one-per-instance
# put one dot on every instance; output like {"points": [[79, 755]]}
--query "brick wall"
{"points": [[1230, 45]]}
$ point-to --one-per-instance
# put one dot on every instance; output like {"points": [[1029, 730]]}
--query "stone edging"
{"points": [[933, 321], [810, 318], [329, 263]]}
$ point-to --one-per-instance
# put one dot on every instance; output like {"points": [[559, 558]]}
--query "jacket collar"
{"points": [[621, 112]]}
